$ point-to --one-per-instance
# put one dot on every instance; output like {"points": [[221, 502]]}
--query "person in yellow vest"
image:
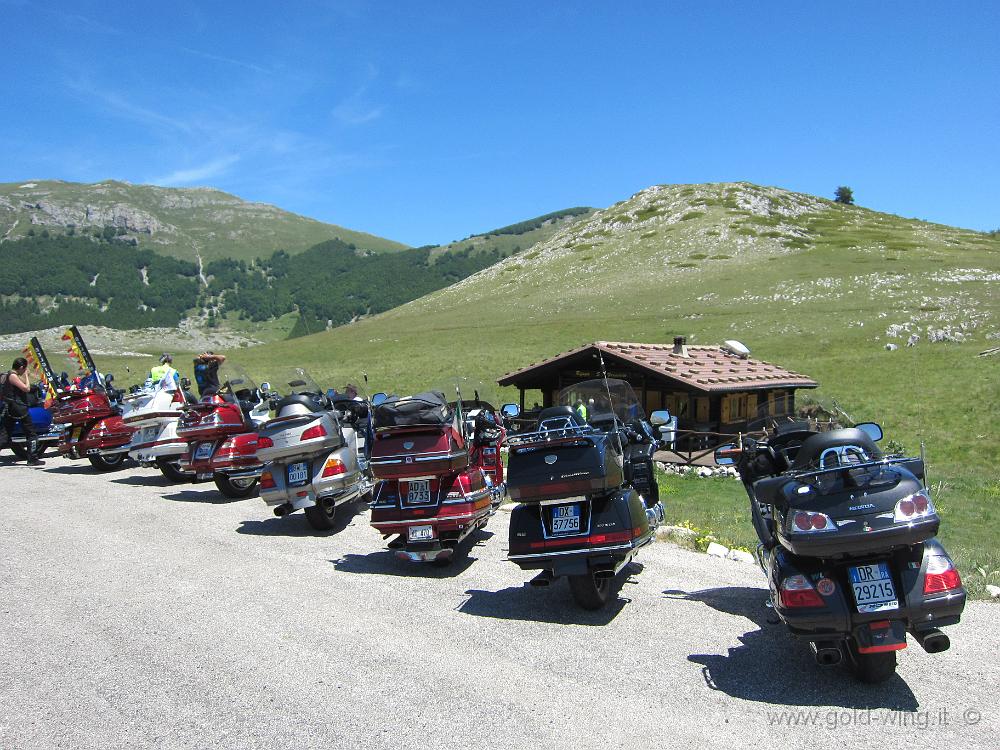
{"points": [[164, 374]]}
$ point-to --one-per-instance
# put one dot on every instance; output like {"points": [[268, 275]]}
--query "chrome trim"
{"points": [[584, 551]]}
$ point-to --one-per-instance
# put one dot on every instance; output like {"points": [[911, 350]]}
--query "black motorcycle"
{"points": [[847, 544], [587, 494]]}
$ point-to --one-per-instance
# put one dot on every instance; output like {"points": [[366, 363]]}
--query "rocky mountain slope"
{"points": [[187, 223]]}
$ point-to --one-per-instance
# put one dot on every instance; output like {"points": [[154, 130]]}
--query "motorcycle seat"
{"points": [[769, 490], [298, 399]]}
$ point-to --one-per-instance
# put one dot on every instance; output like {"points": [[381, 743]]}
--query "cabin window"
{"points": [[734, 408], [653, 401], [677, 404]]}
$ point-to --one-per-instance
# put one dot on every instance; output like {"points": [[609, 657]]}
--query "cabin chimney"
{"points": [[680, 346]]}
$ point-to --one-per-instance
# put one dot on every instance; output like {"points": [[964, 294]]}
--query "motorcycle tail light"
{"points": [[913, 507], [313, 432], [267, 481], [941, 575], [806, 522], [264, 442], [333, 467], [798, 591]]}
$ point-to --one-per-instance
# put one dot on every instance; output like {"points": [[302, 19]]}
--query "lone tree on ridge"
{"points": [[844, 195]]}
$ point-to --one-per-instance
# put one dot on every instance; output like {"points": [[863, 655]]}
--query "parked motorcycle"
{"points": [[441, 474], [155, 414], [93, 426], [315, 452], [587, 492], [847, 542], [221, 434], [49, 433]]}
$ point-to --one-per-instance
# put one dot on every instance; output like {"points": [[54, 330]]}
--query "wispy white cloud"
{"points": [[212, 169], [119, 106], [228, 60], [352, 112], [356, 109]]}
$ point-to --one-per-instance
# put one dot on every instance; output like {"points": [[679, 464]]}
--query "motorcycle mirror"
{"points": [[510, 410], [871, 429], [379, 398], [726, 455], [265, 386], [659, 417], [185, 383]]}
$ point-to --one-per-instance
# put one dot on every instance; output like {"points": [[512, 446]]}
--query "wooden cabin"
{"points": [[710, 389]]}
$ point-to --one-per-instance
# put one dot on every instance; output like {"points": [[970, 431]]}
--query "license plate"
{"points": [[419, 533], [298, 474], [203, 451], [873, 589], [149, 434], [419, 493], [565, 519]]}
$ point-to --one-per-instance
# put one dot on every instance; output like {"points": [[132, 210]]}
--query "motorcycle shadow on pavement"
{"points": [[76, 469], [550, 604], [384, 562], [146, 480], [205, 496], [297, 525], [771, 666]]}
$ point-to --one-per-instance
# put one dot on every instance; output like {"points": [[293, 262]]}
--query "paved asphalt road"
{"points": [[134, 613]]}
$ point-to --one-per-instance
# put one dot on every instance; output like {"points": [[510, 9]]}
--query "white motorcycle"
{"points": [[154, 412]]}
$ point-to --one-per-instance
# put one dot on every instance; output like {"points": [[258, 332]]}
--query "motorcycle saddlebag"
{"points": [[80, 407], [205, 421], [563, 467], [298, 435], [418, 451]]}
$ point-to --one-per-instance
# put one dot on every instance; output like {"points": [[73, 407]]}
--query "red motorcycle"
{"points": [[441, 473], [221, 432], [94, 427]]}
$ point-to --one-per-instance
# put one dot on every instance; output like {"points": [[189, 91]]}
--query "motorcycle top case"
{"points": [[79, 407], [283, 437], [403, 452], [549, 469], [864, 517]]}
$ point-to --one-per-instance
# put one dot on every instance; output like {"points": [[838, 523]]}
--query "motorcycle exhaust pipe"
{"points": [[603, 574], [542, 579], [826, 653], [932, 641], [283, 510]]}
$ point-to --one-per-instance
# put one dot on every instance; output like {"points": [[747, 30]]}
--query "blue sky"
{"points": [[426, 122]]}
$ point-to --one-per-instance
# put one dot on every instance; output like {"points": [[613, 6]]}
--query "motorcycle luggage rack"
{"points": [[888, 461], [553, 436]]}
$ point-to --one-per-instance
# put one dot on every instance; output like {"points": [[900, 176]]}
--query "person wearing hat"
{"points": [[164, 374]]}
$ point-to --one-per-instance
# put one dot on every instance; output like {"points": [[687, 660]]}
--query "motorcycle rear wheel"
{"points": [[235, 488], [110, 462], [321, 515], [589, 591], [172, 471], [870, 668]]}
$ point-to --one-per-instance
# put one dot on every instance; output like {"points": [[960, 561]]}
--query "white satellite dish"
{"points": [[736, 348]]}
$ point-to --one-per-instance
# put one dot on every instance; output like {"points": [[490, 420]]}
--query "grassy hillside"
{"points": [[818, 287], [185, 223], [515, 238]]}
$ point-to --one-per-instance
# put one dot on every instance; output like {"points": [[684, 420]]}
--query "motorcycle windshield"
{"points": [[603, 402], [235, 380], [297, 381]]}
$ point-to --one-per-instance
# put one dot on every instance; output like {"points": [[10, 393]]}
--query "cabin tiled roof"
{"points": [[707, 368]]}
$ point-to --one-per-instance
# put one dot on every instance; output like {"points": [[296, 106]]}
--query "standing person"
{"points": [[16, 386], [165, 375], [206, 373]]}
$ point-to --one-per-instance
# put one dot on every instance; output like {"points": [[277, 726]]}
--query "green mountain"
{"points": [[185, 223]]}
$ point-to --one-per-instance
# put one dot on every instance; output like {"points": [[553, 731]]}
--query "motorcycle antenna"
{"points": [[614, 414]]}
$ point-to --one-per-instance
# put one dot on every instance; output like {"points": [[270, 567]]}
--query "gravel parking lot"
{"points": [[136, 613]]}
